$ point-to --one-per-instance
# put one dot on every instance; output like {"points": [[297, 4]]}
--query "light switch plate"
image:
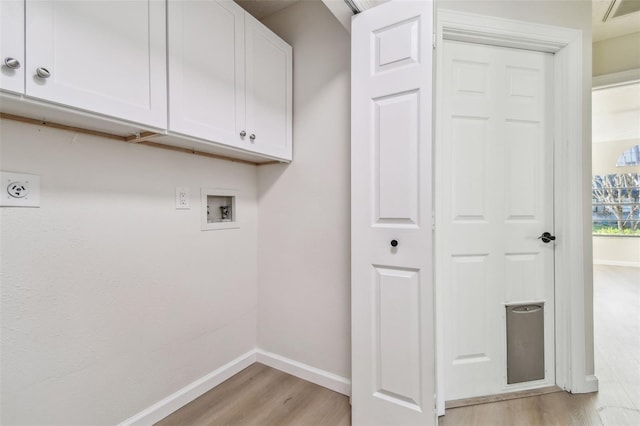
{"points": [[19, 190], [183, 198]]}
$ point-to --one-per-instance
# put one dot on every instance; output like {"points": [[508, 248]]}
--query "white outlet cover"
{"points": [[183, 198], [19, 190]]}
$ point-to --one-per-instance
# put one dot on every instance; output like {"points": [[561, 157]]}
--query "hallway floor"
{"points": [[261, 396]]}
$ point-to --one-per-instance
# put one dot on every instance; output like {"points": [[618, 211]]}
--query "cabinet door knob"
{"points": [[243, 133], [43, 72], [394, 243], [12, 63], [252, 137]]}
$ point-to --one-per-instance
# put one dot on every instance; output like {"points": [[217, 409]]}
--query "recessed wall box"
{"points": [[219, 209]]}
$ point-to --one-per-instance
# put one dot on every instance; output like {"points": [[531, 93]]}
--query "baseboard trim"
{"points": [[173, 402], [306, 372], [591, 384], [616, 263]]}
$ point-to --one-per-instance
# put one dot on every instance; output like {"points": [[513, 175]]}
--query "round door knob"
{"points": [[12, 63], [394, 243], [243, 133], [43, 72], [252, 137]]}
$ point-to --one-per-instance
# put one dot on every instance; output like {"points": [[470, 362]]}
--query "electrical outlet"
{"points": [[183, 199], [19, 190]]}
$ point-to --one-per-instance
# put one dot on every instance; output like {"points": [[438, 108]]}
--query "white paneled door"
{"points": [[495, 198], [392, 287]]}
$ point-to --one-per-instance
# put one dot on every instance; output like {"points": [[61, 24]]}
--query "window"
{"points": [[630, 157], [616, 204]]}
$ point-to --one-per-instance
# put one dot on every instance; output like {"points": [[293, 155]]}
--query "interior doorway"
{"points": [[495, 200], [573, 344]]}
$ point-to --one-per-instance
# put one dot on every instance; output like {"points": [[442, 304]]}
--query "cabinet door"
{"points": [[269, 87], [12, 45], [104, 56], [206, 69]]}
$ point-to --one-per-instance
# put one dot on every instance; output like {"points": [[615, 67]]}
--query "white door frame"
{"points": [[572, 247]]}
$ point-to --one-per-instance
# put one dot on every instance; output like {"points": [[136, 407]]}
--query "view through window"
{"points": [[616, 204]]}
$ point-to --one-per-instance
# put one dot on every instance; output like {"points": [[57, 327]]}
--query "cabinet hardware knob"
{"points": [[394, 243], [252, 137], [43, 72], [12, 63], [243, 133]]}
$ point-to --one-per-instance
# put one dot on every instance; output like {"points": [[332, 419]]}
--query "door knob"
{"points": [[394, 243], [12, 63], [243, 133], [546, 237], [252, 137]]}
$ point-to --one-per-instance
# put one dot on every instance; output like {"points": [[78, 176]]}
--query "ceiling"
{"points": [[614, 18], [263, 8], [610, 18]]}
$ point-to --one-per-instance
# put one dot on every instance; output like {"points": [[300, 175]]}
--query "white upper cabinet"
{"points": [[268, 90], [103, 56], [229, 78], [206, 69], [12, 45], [203, 75]]}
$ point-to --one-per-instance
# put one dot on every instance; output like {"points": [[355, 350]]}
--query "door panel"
{"points": [[269, 97], [12, 45], [392, 287], [495, 183], [397, 314], [206, 69], [396, 120], [103, 56]]}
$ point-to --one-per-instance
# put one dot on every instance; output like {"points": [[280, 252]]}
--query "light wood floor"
{"points": [[262, 396]]}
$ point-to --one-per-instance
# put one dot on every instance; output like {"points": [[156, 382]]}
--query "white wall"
{"points": [[304, 232], [111, 298], [606, 154], [617, 251], [616, 54]]}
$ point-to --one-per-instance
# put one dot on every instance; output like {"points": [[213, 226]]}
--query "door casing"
{"points": [[571, 251]]}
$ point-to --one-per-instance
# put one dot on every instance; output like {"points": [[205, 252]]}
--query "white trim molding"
{"points": [[591, 384], [306, 372], [616, 79], [573, 237], [625, 263], [182, 397]]}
